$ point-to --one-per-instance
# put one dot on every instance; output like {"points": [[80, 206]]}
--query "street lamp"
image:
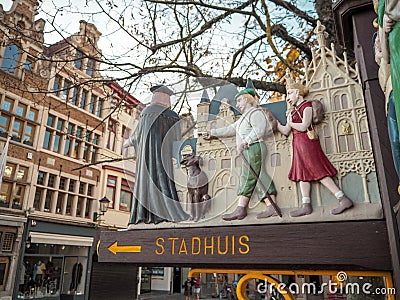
{"points": [[103, 209]]}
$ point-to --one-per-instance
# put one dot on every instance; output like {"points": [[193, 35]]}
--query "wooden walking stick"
{"points": [[274, 206]]}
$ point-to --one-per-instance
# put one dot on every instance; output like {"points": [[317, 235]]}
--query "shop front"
{"points": [[55, 265]]}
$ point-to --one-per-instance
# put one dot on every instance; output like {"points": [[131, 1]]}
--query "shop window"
{"points": [[74, 276], [11, 58]]}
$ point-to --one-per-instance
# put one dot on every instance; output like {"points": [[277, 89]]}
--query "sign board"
{"points": [[289, 244]]}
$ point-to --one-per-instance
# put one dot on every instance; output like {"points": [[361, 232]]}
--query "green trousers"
{"points": [[255, 155], [394, 44]]}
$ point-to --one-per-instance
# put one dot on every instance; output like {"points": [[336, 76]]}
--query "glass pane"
{"points": [[63, 180], [47, 201], [60, 124], [7, 105], [56, 145], [10, 58], [32, 115], [21, 110], [50, 120], [9, 171], [59, 203], [38, 198], [51, 180], [40, 178], [4, 123], [46, 142], [5, 191], [125, 201], [74, 276], [71, 185], [67, 146], [69, 204], [22, 173]]}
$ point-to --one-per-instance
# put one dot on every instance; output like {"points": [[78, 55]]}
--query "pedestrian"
{"points": [[249, 131], [196, 290], [155, 196], [187, 286], [309, 162]]}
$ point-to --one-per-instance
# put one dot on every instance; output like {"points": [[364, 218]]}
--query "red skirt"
{"points": [[309, 162]]}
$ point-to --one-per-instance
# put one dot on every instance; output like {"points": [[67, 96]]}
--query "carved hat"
{"points": [[250, 91], [160, 88]]}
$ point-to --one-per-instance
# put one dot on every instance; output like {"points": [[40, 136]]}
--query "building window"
{"points": [[11, 58], [92, 103], [74, 99], [90, 67], [125, 197], [78, 59], [99, 108], [112, 132], [12, 190], [65, 90], [83, 99], [57, 85], [21, 124], [111, 188], [57, 199], [126, 133]]}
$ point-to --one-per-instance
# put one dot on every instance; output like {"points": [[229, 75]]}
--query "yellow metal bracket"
{"points": [[265, 276]]}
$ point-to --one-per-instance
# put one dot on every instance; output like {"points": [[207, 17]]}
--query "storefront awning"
{"points": [[60, 239]]}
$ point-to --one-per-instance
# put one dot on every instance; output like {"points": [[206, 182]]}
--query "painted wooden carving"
{"points": [[387, 56]]}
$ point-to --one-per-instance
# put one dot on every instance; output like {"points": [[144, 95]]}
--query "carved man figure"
{"points": [[309, 163], [387, 56], [155, 196], [249, 131]]}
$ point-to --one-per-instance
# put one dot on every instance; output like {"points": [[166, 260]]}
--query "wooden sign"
{"points": [[288, 244]]}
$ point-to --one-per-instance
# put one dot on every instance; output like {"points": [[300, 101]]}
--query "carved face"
{"points": [[242, 104], [292, 96]]}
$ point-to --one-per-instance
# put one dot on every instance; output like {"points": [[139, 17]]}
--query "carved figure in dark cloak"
{"points": [[155, 197]]}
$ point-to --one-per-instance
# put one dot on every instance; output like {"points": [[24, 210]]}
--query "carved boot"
{"points": [[344, 203], [268, 212], [239, 213], [304, 210]]}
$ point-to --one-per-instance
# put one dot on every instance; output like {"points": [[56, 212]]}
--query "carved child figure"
{"points": [[309, 163]]}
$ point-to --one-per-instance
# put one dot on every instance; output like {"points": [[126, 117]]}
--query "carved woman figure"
{"points": [[309, 162], [249, 130]]}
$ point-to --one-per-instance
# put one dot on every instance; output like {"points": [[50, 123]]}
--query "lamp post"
{"points": [[103, 209]]}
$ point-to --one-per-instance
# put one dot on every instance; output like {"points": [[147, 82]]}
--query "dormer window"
{"points": [[11, 58]]}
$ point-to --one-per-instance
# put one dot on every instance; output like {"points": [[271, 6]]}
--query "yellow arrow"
{"points": [[114, 248]]}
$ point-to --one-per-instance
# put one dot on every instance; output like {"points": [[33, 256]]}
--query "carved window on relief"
{"points": [[238, 161], [341, 101], [327, 80], [325, 135], [365, 140], [346, 137], [225, 163], [212, 164], [275, 160]]}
